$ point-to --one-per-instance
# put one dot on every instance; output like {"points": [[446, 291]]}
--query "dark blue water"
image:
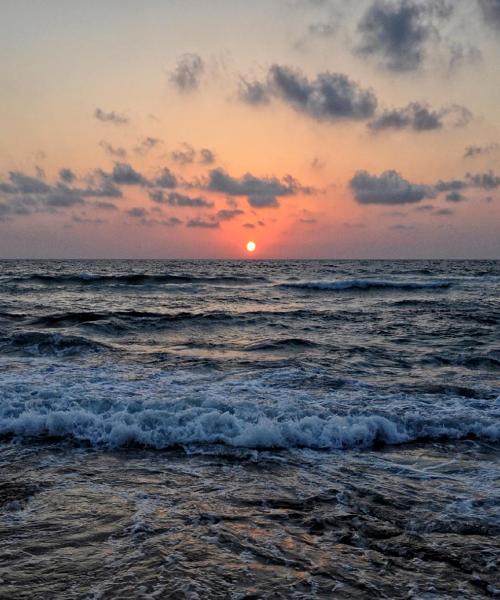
{"points": [[242, 429]]}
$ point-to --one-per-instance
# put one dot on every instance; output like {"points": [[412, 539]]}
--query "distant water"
{"points": [[275, 429]]}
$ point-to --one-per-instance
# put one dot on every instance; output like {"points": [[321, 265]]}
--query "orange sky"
{"points": [[85, 85]]}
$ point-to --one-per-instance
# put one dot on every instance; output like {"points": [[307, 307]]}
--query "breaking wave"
{"points": [[109, 410]]}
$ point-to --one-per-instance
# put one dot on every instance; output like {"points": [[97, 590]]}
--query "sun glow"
{"points": [[251, 246]]}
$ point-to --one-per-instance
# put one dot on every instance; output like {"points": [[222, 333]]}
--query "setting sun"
{"points": [[251, 246]]}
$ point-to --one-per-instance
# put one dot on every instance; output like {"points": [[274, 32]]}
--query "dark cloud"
{"points": [[66, 175], [188, 72], [451, 185], [220, 181], [254, 92], [420, 117], [387, 188], [86, 221], [124, 174], [101, 185], [263, 201], [491, 12], [25, 184], [308, 221], [186, 156], [443, 212], [137, 212], [166, 179], [112, 150], [249, 225], [416, 116], [486, 181], [396, 33], [207, 157], [424, 208], [110, 117], [181, 200], [328, 97], [455, 197], [473, 151], [203, 224], [228, 214], [105, 205], [146, 145], [402, 227]]}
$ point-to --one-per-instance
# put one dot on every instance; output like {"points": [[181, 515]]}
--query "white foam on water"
{"points": [[114, 407]]}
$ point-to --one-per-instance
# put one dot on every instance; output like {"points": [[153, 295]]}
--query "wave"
{"points": [[134, 318], [37, 343], [292, 343], [89, 279], [367, 284], [110, 409]]}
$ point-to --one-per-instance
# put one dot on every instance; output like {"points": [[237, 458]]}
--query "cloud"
{"points": [[330, 96], [249, 225], [486, 181], [181, 200], [220, 181], [263, 201], [397, 32], [387, 188], [146, 145], [228, 214], [66, 175], [416, 116], [473, 151], [255, 93], [105, 205], [443, 212], [137, 212], [166, 179], [455, 197], [124, 174], [450, 185], [112, 150], [200, 223], [188, 72], [110, 117], [420, 117], [185, 156], [491, 12], [25, 184], [207, 157]]}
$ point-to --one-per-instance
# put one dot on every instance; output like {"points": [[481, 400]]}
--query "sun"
{"points": [[251, 246]]}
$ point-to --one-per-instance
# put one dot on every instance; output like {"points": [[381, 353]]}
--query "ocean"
{"points": [[249, 429]]}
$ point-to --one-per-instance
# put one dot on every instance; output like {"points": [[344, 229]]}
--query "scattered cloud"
{"points": [[249, 185], [200, 223], [110, 117], [207, 156], [180, 200], [124, 174], [66, 175], [388, 188], [112, 150], [146, 145], [397, 33], [188, 72], [491, 12], [328, 97], [137, 212], [166, 179], [229, 214], [420, 117], [455, 197], [473, 151]]}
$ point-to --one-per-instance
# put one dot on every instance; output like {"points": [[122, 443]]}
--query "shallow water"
{"points": [[281, 429]]}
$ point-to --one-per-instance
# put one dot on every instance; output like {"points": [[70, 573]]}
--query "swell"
{"points": [[132, 279], [367, 284], [39, 343]]}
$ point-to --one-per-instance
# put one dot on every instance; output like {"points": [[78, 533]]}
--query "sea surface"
{"points": [[253, 429]]}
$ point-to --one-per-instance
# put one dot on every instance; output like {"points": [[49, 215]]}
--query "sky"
{"points": [[184, 128]]}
